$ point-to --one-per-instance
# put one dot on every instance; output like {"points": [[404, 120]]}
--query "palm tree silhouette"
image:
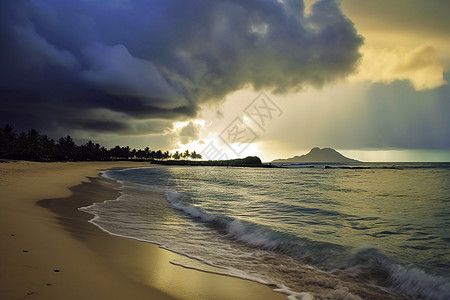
{"points": [[33, 145]]}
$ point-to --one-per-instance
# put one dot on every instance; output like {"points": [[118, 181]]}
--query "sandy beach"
{"points": [[50, 251]]}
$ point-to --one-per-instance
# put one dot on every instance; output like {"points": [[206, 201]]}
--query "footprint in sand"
{"points": [[29, 294]]}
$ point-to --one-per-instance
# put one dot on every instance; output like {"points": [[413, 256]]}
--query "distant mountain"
{"points": [[324, 155]]}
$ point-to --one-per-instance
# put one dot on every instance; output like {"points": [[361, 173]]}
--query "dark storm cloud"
{"points": [[63, 60], [123, 127]]}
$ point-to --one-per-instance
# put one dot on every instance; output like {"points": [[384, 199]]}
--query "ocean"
{"points": [[331, 231]]}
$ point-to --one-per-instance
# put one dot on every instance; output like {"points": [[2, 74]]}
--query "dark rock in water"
{"points": [[317, 155], [356, 168]]}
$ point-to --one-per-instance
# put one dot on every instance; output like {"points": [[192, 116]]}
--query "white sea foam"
{"points": [[190, 210], [256, 238], [236, 229], [300, 296], [106, 174], [410, 281], [418, 284], [293, 295]]}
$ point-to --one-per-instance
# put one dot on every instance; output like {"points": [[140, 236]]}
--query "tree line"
{"points": [[33, 145]]}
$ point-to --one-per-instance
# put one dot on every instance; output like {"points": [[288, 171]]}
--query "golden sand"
{"points": [[50, 251]]}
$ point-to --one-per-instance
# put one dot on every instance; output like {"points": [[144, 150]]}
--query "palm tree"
{"points": [[186, 154], [166, 155], [140, 154], [35, 147], [21, 146], [115, 152], [7, 140], [159, 154], [176, 155], [147, 153], [133, 153], [195, 155], [48, 148], [66, 148], [29, 145], [90, 151], [104, 153]]}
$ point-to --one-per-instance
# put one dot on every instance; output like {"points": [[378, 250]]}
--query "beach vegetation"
{"points": [[33, 145]]}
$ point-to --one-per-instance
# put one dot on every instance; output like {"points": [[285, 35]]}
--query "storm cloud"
{"points": [[136, 60]]}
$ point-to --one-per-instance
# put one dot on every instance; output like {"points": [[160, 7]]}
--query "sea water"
{"points": [[330, 230]]}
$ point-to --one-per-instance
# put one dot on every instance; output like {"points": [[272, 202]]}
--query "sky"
{"points": [[231, 78]]}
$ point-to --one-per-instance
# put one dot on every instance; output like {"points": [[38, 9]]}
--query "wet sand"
{"points": [[50, 251]]}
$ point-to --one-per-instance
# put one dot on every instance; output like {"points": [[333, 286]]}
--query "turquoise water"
{"points": [[376, 225]]}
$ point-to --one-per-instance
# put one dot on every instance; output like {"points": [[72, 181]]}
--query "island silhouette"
{"points": [[317, 155]]}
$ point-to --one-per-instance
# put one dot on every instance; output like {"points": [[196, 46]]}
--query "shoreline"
{"points": [[236, 163], [53, 252]]}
